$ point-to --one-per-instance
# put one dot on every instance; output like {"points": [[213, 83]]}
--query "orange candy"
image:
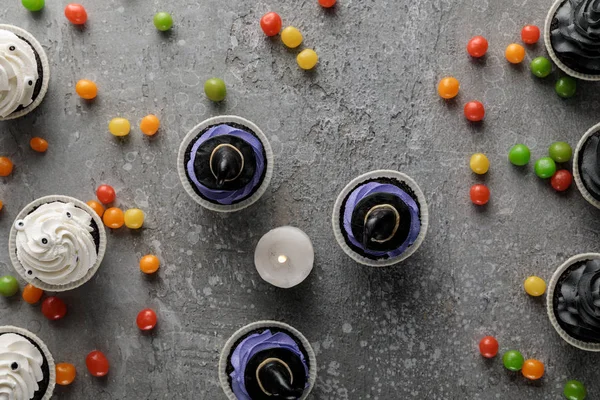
{"points": [[86, 89], [515, 53], [6, 166], [149, 125], [448, 87], [65, 374], [149, 264], [533, 369], [113, 218], [31, 294], [96, 206], [1, 205], [38, 144]]}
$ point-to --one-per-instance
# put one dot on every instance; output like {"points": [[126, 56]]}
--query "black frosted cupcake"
{"points": [[586, 166]]}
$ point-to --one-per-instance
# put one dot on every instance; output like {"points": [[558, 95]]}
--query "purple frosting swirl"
{"points": [[373, 187], [228, 197], [251, 345]]}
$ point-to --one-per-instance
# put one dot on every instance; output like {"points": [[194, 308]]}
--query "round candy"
{"points": [[474, 111], [291, 37], [566, 87], [1, 205], [530, 34], [270, 23], [477, 46], [534, 286], [149, 125], [448, 87], [6, 166], [215, 89], [146, 319], [76, 14], [149, 264], [119, 126], [163, 21], [134, 218], [574, 390], [54, 308], [97, 207], [33, 5], [9, 286], [86, 89], [488, 347], [560, 152], [513, 360], [545, 167], [106, 194], [480, 194], [31, 294], [307, 59], [479, 163], [113, 218], [541, 67], [561, 180], [515, 53], [65, 374], [533, 369], [97, 363], [519, 155], [38, 144], [327, 3]]}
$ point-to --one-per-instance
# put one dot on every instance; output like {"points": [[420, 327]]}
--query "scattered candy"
{"points": [[513, 360], [515, 53], [134, 218], [6, 166], [149, 125], [38, 144], [448, 87], [479, 163], [477, 46], [530, 34], [560, 152], [113, 218], [33, 5], [106, 194], [65, 374], [119, 126], [149, 264], [215, 89], [54, 308], [574, 390], [97, 363], [474, 111], [480, 194], [566, 87], [31, 294], [533, 369], [534, 286], [97, 207], [86, 89], [519, 155], [488, 347], [270, 23], [307, 59], [76, 14], [163, 21], [545, 167], [561, 180], [327, 3], [9, 286], [146, 319], [291, 37], [541, 67]]}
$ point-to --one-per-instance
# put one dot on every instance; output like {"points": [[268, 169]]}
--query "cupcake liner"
{"points": [[181, 170], [12, 244], [45, 67], [337, 230], [44, 348], [577, 174], [552, 53], [312, 359], [550, 302]]}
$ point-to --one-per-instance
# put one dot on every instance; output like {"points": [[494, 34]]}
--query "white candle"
{"points": [[284, 256]]}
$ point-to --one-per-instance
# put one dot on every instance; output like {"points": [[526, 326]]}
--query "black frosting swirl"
{"points": [[589, 166], [577, 301], [575, 35]]}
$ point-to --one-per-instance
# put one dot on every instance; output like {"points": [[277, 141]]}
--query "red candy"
{"points": [[146, 319], [561, 180], [76, 14], [270, 23], [327, 3], [54, 308], [106, 194], [477, 46], [480, 194], [530, 34], [474, 111], [97, 363], [488, 347]]}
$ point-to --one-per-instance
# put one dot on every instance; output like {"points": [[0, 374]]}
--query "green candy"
{"points": [[574, 390], [163, 21], [9, 286], [560, 152], [545, 167], [215, 89], [566, 87], [33, 5], [519, 155], [541, 67], [513, 360]]}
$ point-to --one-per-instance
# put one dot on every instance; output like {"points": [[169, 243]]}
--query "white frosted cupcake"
{"points": [[24, 72], [27, 370], [57, 243]]}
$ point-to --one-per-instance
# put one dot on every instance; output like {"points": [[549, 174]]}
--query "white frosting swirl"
{"points": [[55, 244], [20, 367], [18, 73]]}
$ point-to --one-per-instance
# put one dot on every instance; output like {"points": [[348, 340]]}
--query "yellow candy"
{"points": [[534, 286], [307, 59], [479, 163], [119, 127], [134, 218], [291, 37]]}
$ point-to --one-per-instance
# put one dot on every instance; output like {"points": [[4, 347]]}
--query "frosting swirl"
{"points": [[55, 244], [589, 166], [575, 34], [20, 367], [18, 73]]}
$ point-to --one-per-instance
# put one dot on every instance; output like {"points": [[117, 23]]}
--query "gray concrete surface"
{"points": [[395, 333]]}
